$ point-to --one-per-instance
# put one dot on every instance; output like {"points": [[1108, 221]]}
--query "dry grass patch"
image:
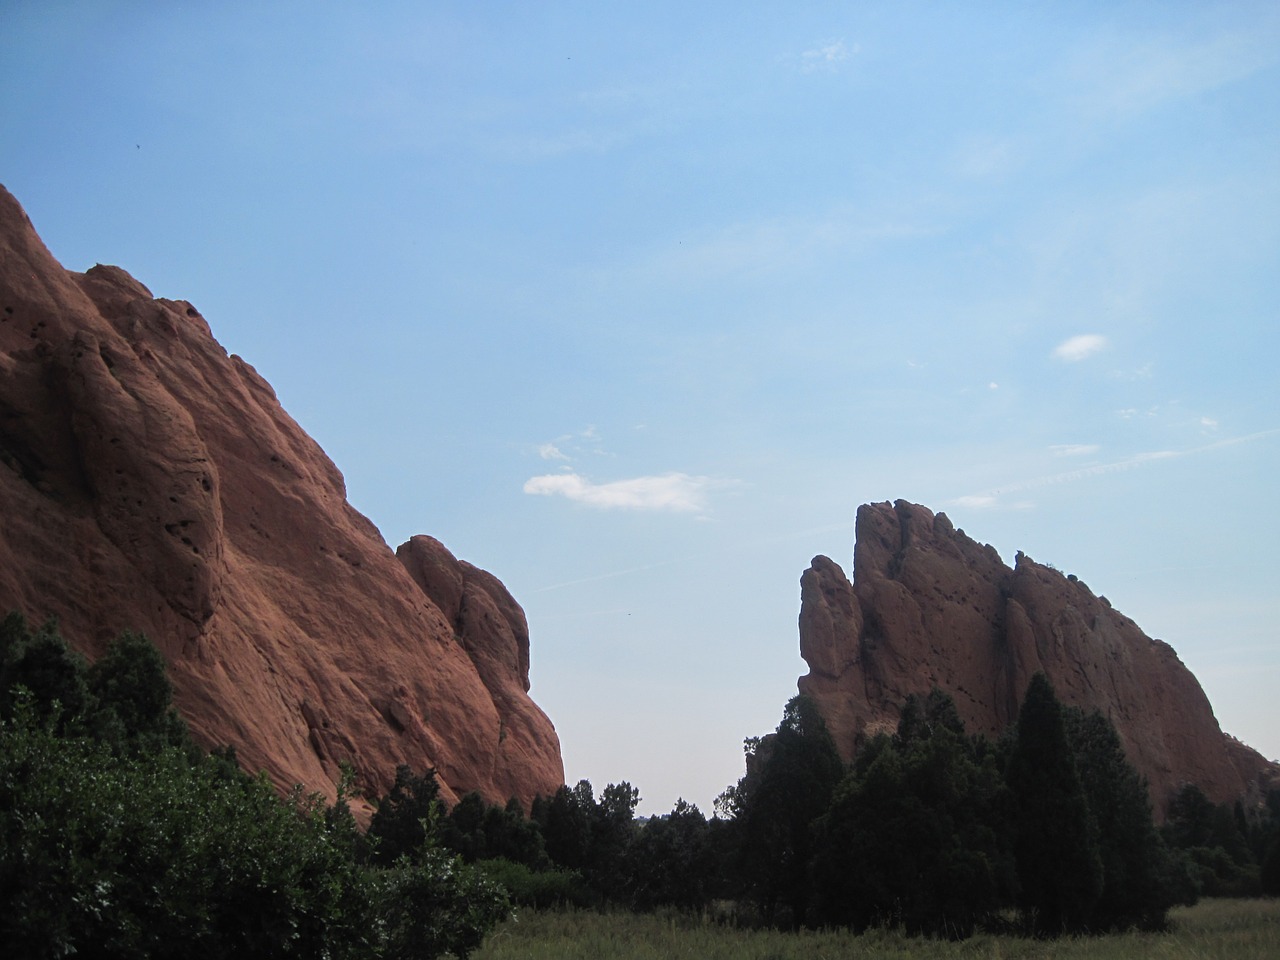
{"points": [[1212, 930]]}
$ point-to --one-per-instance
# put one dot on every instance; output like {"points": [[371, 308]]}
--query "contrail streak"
{"points": [[1116, 466]]}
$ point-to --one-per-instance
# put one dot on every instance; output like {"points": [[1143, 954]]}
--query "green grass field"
{"points": [[1212, 930]]}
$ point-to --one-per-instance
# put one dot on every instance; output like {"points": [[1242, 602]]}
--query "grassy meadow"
{"points": [[1211, 930]]}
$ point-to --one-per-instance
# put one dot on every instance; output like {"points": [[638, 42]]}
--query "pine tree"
{"points": [[406, 819], [915, 835], [1056, 849], [791, 779], [1137, 889]]}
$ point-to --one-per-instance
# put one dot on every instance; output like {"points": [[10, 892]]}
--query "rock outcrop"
{"points": [[150, 481], [928, 606]]}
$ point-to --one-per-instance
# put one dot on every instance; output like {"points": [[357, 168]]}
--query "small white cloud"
{"points": [[826, 56], [676, 492], [993, 385], [1209, 423], [1073, 449], [549, 451], [1080, 347]]}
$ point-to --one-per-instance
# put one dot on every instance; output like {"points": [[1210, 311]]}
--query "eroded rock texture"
{"points": [[928, 606], [150, 481]]}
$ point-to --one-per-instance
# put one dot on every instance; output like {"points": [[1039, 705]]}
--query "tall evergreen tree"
{"points": [[1059, 865], [916, 834], [406, 817], [1269, 875], [791, 778], [566, 824], [613, 830], [1137, 888]]}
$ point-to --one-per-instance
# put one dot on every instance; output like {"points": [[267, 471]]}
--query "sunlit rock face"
{"points": [[150, 481], [927, 606]]}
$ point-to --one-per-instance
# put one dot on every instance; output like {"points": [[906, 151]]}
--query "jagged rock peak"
{"points": [[928, 606]]}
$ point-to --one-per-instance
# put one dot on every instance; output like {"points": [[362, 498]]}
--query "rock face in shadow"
{"points": [[150, 481], [928, 606]]}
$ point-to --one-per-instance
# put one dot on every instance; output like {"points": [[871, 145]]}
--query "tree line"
{"points": [[1046, 830], [116, 831]]}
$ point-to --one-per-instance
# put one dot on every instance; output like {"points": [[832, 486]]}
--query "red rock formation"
{"points": [[150, 481], [930, 607]]}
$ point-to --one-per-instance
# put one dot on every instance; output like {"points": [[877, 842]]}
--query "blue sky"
{"points": [[633, 304]]}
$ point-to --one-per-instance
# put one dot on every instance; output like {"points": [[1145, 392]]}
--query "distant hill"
{"points": [[150, 481], [928, 606]]}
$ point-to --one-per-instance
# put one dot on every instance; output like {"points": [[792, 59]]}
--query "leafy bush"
{"points": [[119, 839], [540, 889], [126, 856], [434, 905]]}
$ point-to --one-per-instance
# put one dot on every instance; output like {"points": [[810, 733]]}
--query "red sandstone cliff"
{"points": [[150, 481], [928, 607]]}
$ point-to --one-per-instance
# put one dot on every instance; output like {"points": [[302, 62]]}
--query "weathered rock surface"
{"points": [[928, 606], [150, 481]]}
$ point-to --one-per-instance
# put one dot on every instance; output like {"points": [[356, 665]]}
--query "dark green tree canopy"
{"points": [[406, 818], [1056, 846], [917, 833], [41, 662], [791, 778]]}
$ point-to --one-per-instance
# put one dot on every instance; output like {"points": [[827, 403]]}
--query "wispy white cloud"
{"points": [[827, 56], [677, 492], [568, 447], [1080, 347], [768, 247], [1073, 449], [549, 451], [1120, 76], [995, 497]]}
